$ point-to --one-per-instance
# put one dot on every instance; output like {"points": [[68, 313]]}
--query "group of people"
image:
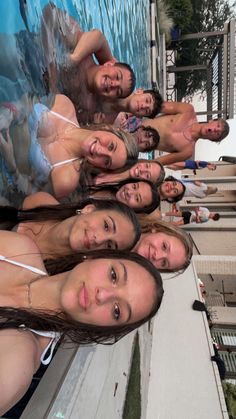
{"points": [[78, 253]]}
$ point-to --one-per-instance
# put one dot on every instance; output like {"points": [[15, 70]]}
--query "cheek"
{"points": [[100, 316]]}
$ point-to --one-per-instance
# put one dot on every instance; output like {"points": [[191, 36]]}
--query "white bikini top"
{"points": [[55, 336], [61, 163]]}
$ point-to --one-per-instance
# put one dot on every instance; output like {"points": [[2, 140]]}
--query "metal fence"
{"points": [[220, 71]]}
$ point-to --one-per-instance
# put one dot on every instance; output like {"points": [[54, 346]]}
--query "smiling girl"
{"points": [[97, 301]]}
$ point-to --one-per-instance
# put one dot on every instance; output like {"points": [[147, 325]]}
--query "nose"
{"points": [[115, 83], [104, 295], [155, 257]]}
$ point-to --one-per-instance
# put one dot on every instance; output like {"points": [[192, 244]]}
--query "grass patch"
{"points": [[132, 408]]}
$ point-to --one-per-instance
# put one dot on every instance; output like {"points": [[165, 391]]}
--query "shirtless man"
{"points": [[141, 103], [179, 131], [73, 71]]}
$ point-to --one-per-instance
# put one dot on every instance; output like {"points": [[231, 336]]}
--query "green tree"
{"points": [[230, 398], [207, 16], [181, 12]]}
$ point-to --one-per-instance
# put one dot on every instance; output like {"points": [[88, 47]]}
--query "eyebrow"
{"points": [[121, 78], [126, 280], [115, 146], [113, 224]]}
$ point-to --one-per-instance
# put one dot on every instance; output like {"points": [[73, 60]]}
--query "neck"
{"points": [[195, 130], [44, 292], [55, 240], [122, 105]]}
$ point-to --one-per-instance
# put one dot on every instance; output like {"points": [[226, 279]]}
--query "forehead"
{"points": [[216, 122], [140, 291], [144, 96], [145, 189], [145, 132]]}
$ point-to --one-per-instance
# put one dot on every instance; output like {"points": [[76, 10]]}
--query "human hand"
{"points": [[99, 118], [122, 120]]}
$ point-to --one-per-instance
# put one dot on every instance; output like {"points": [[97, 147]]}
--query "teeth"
{"points": [[92, 148]]}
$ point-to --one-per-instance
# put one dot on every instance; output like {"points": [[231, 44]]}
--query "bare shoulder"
{"points": [[19, 359], [20, 247], [39, 199], [65, 179], [62, 103]]}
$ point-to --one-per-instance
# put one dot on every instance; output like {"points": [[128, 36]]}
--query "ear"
{"points": [[88, 209], [109, 64], [139, 91]]}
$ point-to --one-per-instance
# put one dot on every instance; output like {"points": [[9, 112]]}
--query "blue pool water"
{"points": [[22, 60], [126, 24]]}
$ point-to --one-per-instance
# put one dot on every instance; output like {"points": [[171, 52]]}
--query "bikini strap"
{"points": [[23, 265], [58, 115], [61, 163]]}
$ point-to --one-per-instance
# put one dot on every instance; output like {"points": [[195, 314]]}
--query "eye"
{"points": [[110, 244], [107, 162], [116, 312], [164, 246], [106, 226], [134, 186], [111, 146], [164, 263], [113, 276], [118, 92]]}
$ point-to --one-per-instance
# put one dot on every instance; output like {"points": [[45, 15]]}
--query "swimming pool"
{"points": [[22, 61]]}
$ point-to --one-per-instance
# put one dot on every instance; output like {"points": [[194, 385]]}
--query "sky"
{"points": [[206, 150]]}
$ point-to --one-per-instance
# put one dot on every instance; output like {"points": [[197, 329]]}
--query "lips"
{"points": [[106, 84], [136, 172], [123, 194], [83, 297], [167, 187]]}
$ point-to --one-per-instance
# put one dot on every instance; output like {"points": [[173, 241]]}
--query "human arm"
{"points": [[92, 42], [38, 199], [177, 156], [19, 360], [177, 166], [57, 23], [172, 108]]}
